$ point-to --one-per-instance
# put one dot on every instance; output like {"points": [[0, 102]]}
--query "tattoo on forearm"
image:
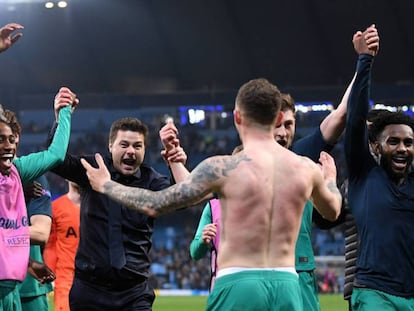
{"points": [[334, 189], [201, 181]]}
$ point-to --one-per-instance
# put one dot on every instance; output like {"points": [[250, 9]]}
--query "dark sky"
{"points": [[161, 46]]}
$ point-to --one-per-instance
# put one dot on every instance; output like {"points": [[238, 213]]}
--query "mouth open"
{"points": [[282, 142], [399, 163], [6, 162], [129, 164]]}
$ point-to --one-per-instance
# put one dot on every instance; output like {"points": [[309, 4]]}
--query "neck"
{"points": [[256, 134]]}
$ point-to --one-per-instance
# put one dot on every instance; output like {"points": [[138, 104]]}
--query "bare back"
{"points": [[262, 204]]}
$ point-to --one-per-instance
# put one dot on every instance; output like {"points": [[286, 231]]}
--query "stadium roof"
{"points": [[161, 46]]}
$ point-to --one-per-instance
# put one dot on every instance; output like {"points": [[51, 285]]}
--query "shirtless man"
{"points": [[261, 214]]}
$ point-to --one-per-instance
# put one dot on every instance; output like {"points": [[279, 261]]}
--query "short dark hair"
{"points": [[387, 118], [260, 100], [127, 124], [288, 103], [373, 113]]}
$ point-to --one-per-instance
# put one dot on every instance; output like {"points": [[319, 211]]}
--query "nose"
{"points": [[402, 147], [130, 149], [281, 131], [7, 144]]}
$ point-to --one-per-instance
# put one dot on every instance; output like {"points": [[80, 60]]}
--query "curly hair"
{"points": [[384, 118]]}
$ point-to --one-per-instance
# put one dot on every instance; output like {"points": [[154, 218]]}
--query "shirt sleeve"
{"points": [[311, 145], [198, 249], [356, 135], [36, 164]]}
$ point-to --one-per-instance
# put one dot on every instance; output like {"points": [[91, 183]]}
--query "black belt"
{"points": [[110, 283]]}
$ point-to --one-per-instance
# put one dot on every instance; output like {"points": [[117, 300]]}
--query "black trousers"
{"points": [[88, 296]]}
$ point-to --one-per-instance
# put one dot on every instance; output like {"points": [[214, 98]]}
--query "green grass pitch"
{"points": [[197, 303]]}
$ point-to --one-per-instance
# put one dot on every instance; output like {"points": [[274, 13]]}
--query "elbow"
{"points": [[44, 237], [195, 256], [60, 158], [57, 160], [193, 252], [40, 239], [331, 217], [330, 212], [335, 211], [334, 215]]}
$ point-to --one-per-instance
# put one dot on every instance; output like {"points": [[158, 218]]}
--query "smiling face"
{"points": [[395, 148], [128, 151], [7, 148]]}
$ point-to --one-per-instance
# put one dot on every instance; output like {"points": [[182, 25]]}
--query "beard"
{"points": [[397, 176]]}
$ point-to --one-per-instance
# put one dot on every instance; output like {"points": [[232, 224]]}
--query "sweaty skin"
{"points": [[273, 221], [260, 209]]}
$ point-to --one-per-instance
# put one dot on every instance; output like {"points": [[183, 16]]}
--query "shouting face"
{"points": [[128, 150]]}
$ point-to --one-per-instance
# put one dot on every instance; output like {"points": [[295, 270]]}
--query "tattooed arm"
{"points": [[326, 195], [203, 179]]}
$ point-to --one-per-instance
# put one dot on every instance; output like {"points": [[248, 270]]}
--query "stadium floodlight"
{"points": [[62, 4]]}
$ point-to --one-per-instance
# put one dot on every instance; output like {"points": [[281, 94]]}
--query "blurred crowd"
{"points": [[172, 266]]}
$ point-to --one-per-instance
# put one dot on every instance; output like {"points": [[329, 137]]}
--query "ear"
{"points": [[279, 119], [110, 148], [237, 116], [376, 147]]}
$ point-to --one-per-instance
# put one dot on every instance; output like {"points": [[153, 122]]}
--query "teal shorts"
{"points": [[309, 291], [9, 296], [35, 303], [256, 290], [365, 299]]}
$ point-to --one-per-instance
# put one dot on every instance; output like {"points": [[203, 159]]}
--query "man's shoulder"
{"points": [[298, 163]]}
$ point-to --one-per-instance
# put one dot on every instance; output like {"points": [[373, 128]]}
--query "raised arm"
{"points": [[7, 39], [36, 164], [325, 195], [174, 154], [366, 45], [333, 125]]}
